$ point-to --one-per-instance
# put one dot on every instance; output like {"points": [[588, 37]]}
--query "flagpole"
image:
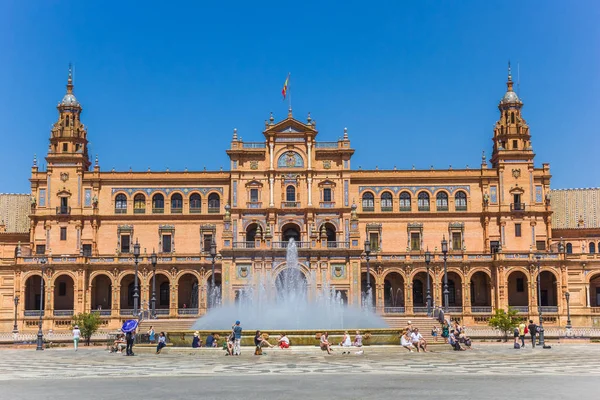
{"points": [[289, 91]]}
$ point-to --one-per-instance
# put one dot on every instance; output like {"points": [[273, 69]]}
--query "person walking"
{"points": [[76, 336], [162, 342], [533, 331], [130, 337], [445, 331], [237, 331], [522, 328], [151, 334]]}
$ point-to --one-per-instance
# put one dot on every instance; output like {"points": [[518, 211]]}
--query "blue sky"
{"points": [[164, 84]]}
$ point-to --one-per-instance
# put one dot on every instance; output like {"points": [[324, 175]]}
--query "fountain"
{"points": [[289, 301]]}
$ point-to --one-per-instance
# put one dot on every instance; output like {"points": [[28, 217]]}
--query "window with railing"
{"points": [[176, 203], [158, 204], [139, 204], [386, 202], [423, 201], [415, 241], [121, 204], [290, 193], [441, 201], [405, 201], [214, 203], [460, 201], [368, 202], [254, 195], [195, 203]]}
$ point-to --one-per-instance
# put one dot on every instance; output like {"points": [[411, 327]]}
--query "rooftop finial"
{"points": [[96, 161], [235, 134], [290, 112], [309, 119], [35, 160], [70, 79], [271, 119], [509, 72], [345, 133]]}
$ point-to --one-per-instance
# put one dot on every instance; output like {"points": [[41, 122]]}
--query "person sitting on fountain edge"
{"points": [[284, 342], [325, 346], [210, 340]]}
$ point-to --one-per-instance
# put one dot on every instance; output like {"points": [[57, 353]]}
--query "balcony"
{"points": [[214, 210], [33, 313], [290, 204], [187, 311], [442, 208], [517, 207], [368, 208], [244, 245], [156, 210], [424, 208], [254, 204], [405, 208], [177, 210], [549, 309], [139, 211], [326, 145], [63, 313], [338, 245], [120, 210], [126, 312], [103, 313], [481, 309], [461, 207], [162, 311], [327, 204], [195, 210], [387, 208], [420, 310], [455, 309], [520, 309], [284, 245], [254, 145], [63, 210], [393, 310]]}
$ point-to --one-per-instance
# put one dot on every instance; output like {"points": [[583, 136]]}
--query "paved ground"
{"points": [[488, 371]]}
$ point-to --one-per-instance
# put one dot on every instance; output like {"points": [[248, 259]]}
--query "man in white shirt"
{"points": [[418, 340], [76, 336]]}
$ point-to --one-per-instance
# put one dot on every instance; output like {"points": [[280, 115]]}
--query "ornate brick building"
{"points": [[496, 219]]}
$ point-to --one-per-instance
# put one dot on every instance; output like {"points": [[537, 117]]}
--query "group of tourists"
{"points": [[411, 339], [522, 330], [346, 343]]}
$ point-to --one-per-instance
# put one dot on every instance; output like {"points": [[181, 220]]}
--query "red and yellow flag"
{"points": [[285, 86]]}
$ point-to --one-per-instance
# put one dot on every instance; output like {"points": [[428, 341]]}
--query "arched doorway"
{"points": [[393, 292], [252, 231], [419, 292], [548, 290], [366, 300], [518, 295], [290, 231], [454, 290], [126, 292], [33, 293], [163, 295], [64, 294], [187, 294], [330, 233], [291, 285], [595, 291], [481, 295], [101, 293]]}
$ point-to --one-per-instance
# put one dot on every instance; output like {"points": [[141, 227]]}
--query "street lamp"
{"points": [[15, 327], [368, 258], [153, 260], [136, 294], [40, 335], [568, 326], [213, 255], [427, 261], [542, 343], [445, 253]]}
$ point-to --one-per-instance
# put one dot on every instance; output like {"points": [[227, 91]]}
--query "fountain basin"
{"points": [[371, 337]]}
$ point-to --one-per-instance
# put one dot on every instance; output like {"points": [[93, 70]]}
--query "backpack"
{"points": [[526, 331], [517, 345]]}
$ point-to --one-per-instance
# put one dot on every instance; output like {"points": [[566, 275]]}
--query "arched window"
{"points": [[404, 201], [195, 203], [290, 193], [121, 204], [441, 201], [158, 204], [460, 201], [423, 199], [368, 202], [139, 204], [164, 294], [214, 203], [592, 247], [512, 118], [386, 202], [67, 124], [569, 248], [176, 203]]}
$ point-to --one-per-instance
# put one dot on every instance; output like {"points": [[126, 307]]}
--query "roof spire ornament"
{"points": [[96, 161], [235, 134], [345, 133], [35, 160], [271, 119], [309, 119], [290, 112], [70, 79]]}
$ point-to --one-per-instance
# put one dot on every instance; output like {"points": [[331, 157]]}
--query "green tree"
{"points": [[505, 321], [88, 325]]}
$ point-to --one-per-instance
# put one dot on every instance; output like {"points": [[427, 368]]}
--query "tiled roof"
{"points": [[575, 208], [14, 211]]}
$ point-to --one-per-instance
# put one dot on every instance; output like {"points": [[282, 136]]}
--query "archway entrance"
{"points": [[126, 292], [548, 290], [32, 293], [454, 290], [419, 292], [480, 290], [101, 293], [290, 231], [64, 294], [187, 293], [393, 292], [163, 297], [331, 234], [518, 295], [595, 291]]}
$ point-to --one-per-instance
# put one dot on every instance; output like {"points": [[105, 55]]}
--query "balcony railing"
{"points": [[63, 313], [254, 145], [460, 208], [326, 145], [254, 204], [187, 311], [195, 210], [455, 309], [284, 245], [520, 309], [177, 210], [549, 309], [394, 310], [387, 208], [33, 313], [162, 311], [338, 245], [517, 206], [481, 309], [63, 210], [244, 245], [442, 208], [214, 210], [103, 313], [424, 208], [290, 204], [595, 310], [368, 208], [420, 310], [327, 204], [405, 208], [156, 210], [120, 210], [139, 211], [126, 312]]}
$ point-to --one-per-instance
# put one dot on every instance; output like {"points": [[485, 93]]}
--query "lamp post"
{"points": [[213, 255], [539, 287], [445, 253], [153, 260], [136, 294], [368, 258], [15, 327], [568, 326], [427, 261], [40, 335]]}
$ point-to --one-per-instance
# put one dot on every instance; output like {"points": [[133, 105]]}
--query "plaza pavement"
{"points": [[488, 371]]}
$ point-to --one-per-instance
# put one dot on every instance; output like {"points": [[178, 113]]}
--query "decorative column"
{"points": [[309, 184], [408, 300], [271, 183], [309, 154], [115, 303]]}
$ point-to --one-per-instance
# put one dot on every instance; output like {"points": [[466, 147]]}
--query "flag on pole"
{"points": [[285, 86]]}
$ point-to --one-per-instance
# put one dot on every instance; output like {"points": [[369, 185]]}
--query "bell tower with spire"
{"points": [[512, 141], [68, 140]]}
